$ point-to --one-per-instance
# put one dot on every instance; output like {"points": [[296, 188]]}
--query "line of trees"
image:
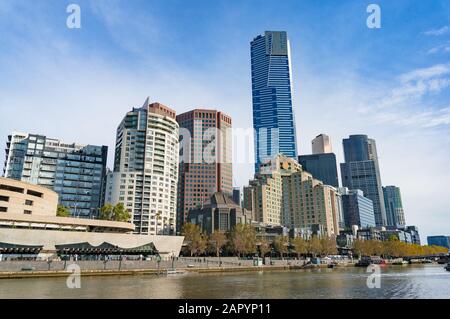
{"points": [[242, 241], [394, 248]]}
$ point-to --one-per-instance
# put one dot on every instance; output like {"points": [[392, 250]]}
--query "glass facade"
{"points": [[273, 117], [361, 171], [358, 210], [75, 172], [322, 167], [443, 241], [394, 207]]}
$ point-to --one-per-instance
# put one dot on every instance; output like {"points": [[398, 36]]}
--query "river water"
{"points": [[422, 281]]}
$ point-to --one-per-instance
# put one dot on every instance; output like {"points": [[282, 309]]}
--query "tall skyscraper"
{"points": [[321, 144], [146, 168], [361, 171], [394, 207], [273, 116], [358, 210], [322, 163], [75, 171], [206, 160]]}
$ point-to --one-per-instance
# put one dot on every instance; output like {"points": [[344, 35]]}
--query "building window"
{"points": [[28, 202], [4, 199], [3, 209], [34, 193], [27, 212], [11, 188]]}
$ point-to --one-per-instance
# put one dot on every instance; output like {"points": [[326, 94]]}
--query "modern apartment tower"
{"points": [[145, 172], [273, 116], [205, 158], [322, 163], [358, 210], [75, 171], [361, 171], [394, 208]]}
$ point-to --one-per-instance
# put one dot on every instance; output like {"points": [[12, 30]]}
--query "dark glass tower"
{"points": [[394, 208], [322, 167], [273, 118], [361, 171]]}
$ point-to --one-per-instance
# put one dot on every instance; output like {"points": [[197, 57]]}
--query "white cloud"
{"points": [[437, 32], [445, 48]]}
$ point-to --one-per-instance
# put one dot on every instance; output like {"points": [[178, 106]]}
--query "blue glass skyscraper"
{"points": [[273, 117]]}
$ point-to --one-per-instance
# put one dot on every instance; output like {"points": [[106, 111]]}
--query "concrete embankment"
{"points": [[127, 272]]}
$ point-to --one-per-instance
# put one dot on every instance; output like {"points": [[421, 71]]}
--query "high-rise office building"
{"points": [[283, 194], [273, 116], [395, 214], [75, 171], [443, 241], [237, 195], [361, 171], [145, 172], [321, 144], [206, 159], [322, 166], [322, 162], [358, 210]]}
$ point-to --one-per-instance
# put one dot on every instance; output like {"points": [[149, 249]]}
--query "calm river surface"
{"points": [[427, 281]]}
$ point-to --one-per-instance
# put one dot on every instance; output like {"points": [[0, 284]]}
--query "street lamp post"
{"points": [[173, 259]]}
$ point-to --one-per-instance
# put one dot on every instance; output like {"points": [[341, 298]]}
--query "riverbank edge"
{"points": [[162, 271]]}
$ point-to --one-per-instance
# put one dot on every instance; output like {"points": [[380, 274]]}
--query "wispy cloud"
{"points": [[133, 30], [437, 32], [440, 48], [415, 85]]}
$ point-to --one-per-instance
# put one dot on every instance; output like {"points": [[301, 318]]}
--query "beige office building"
{"points": [[321, 144], [284, 194]]}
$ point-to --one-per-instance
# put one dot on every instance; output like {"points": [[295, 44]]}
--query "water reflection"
{"points": [[427, 281]]}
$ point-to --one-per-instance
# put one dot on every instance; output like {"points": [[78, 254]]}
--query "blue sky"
{"points": [[391, 83]]}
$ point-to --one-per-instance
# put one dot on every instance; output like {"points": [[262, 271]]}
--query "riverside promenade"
{"points": [[27, 269]]}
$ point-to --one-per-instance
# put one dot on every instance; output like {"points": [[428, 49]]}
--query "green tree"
{"points": [[281, 245], [195, 241], [328, 246], [120, 214], [359, 248], [264, 247], [300, 246], [62, 211], [116, 213], [106, 212], [314, 246], [243, 237], [218, 239]]}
